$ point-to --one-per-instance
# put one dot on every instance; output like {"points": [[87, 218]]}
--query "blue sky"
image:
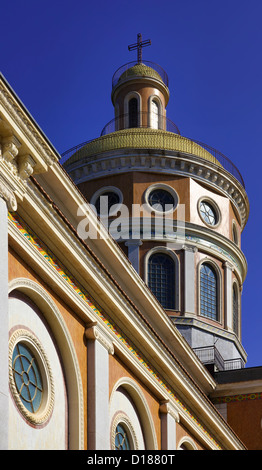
{"points": [[60, 56]]}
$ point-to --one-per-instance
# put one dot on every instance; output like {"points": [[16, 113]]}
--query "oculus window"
{"points": [[209, 213], [27, 377], [161, 198], [122, 441], [105, 201]]}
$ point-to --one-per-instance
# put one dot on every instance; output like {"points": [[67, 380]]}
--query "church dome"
{"points": [[140, 70]]}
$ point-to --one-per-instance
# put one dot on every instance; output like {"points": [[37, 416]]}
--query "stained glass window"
{"points": [[208, 292], [161, 279], [27, 377]]}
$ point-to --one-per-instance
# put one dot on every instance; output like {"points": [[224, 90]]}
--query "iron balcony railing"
{"points": [[141, 119], [145, 120], [123, 71], [210, 355]]}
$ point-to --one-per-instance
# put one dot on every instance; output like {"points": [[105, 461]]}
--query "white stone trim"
{"points": [[71, 367], [165, 187], [144, 412], [46, 408]]}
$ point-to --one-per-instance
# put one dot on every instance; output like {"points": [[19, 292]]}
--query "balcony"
{"points": [[209, 355]]}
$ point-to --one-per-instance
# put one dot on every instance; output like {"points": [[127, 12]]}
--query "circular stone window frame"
{"points": [[214, 207], [166, 188], [122, 419], [103, 190], [47, 403]]}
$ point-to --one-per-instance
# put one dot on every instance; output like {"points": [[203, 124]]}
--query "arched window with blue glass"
{"points": [[162, 279], [208, 291]]}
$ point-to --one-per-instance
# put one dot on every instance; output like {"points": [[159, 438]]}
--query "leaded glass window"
{"points": [[160, 199], [27, 377], [208, 213], [121, 438], [208, 292], [161, 279]]}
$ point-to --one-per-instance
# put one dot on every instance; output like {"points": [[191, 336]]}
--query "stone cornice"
{"points": [[15, 119], [167, 161]]}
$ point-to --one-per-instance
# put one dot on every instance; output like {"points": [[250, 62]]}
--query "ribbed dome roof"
{"points": [[140, 70]]}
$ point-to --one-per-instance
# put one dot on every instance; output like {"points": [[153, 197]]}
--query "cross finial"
{"points": [[138, 45]]}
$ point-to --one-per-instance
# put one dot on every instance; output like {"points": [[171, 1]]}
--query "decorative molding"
{"points": [[25, 124], [41, 416], [49, 258], [32, 289], [131, 434], [95, 333], [168, 408], [8, 195], [200, 166]]}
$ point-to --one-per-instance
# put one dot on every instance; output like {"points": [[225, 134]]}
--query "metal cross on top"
{"points": [[139, 45]]}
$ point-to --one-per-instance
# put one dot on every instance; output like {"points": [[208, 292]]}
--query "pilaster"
{"points": [[189, 279], [133, 252], [228, 289], [99, 346], [169, 418]]}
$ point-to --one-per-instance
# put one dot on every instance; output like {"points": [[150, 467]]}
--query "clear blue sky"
{"points": [[60, 56]]}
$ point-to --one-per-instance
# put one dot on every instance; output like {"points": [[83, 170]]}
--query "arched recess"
{"points": [[53, 317], [186, 443], [141, 408]]}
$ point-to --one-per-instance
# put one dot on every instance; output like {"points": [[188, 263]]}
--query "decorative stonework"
{"points": [[68, 278], [176, 162], [8, 195], [121, 418], [41, 416]]}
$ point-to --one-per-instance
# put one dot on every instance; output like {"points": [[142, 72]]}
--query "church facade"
{"points": [[121, 284]]}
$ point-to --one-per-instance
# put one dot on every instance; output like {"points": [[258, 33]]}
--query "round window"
{"points": [[105, 201], [27, 377], [208, 213], [121, 438], [30, 377], [161, 198]]}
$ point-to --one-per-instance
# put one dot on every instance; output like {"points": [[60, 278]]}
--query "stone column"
{"points": [[133, 252], [228, 290], [169, 417], [189, 279], [99, 346]]}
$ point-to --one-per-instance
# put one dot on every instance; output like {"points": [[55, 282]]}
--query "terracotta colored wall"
{"points": [[245, 417]]}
